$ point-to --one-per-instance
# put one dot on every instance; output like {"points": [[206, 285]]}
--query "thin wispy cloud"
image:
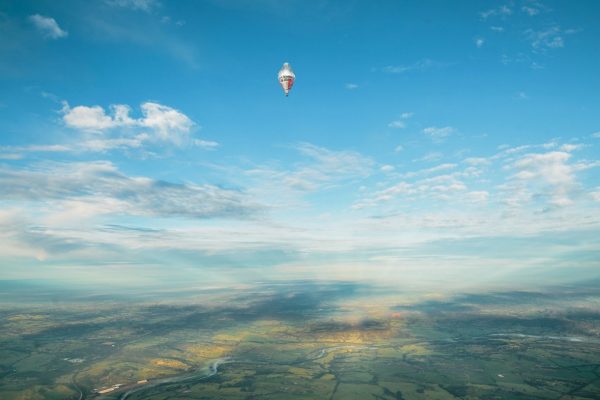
{"points": [[431, 156], [48, 26], [101, 188], [501, 11], [142, 5], [420, 65], [531, 11]]}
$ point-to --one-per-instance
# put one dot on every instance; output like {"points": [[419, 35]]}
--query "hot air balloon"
{"points": [[286, 77]]}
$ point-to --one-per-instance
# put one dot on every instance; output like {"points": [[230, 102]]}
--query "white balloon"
{"points": [[286, 77]]}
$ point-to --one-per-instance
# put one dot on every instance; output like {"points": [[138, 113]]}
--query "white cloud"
{"points": [[427, 171], [351, 86], [164, 123], [102, 145], [399, 148], [431, 156], [551, 169], [142, 5], [397, 124], [531, 10], [480, 196], [36, 148], [438, 134], [596, 194], [101, 186], [550, 38], [479, 42], [596, 135], [569, 147], [48, 26], [207, 144], [88, 118], [387, 168], [476, 161], [11, 156], [501, 11], [497, 28], [168, 123], [337, 163], [440, 187], [417, 66], [321, 169]]}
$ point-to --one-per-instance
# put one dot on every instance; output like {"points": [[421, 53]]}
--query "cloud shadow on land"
{"points": [[294, 302], [558, 310]]}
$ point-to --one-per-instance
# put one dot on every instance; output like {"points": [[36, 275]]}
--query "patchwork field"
{"points": [[304, 341]]}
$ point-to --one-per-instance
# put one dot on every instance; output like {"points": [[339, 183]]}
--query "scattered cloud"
{"points": [[399, 148], [351, 86], [596, 135], [400, 123], [501, 11], [533, 8], [387, 168], [497, 28], [48, 26], [479, 42], [397, 124], [439, 134], [549, 38]]}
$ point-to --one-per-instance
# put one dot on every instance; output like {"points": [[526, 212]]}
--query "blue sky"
{"points": [[425, 142]]}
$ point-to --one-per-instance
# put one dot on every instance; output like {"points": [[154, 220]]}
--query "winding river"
{"points": [[213, 369]]}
